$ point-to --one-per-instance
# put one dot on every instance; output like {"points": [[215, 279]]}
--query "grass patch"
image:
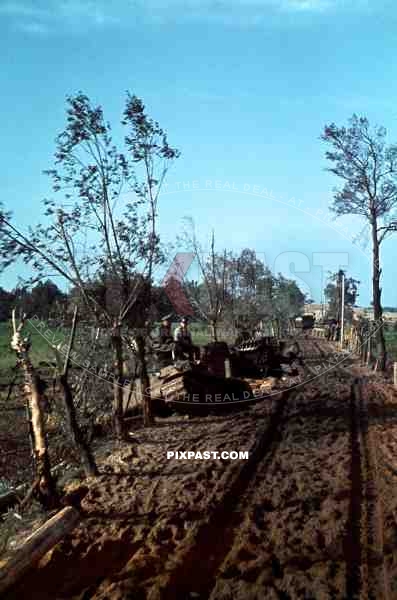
{"points": [[41, 339], [41, 350], [391, 343], [201, 333]]}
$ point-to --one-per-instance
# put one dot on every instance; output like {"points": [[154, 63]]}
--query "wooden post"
{"points": [[369, 349], [139, 392], [117, 343], [395, 375], [228, 370], [37, 545], [145, 382], [342, 318], [128, 391]]}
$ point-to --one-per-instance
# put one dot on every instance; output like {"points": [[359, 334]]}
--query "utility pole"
{"points": [[342, 311], [338, 295]]}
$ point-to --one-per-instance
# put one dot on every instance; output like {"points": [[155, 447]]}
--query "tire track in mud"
{"points": [[366, 576], [213, 541], [353, 549], [215, 537], [366, 573], [197, 564]]}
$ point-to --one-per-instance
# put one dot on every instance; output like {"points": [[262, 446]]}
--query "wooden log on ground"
{"points": [[169, 372], [173, 390], [37, 545], [129, 397], [167, 376]]}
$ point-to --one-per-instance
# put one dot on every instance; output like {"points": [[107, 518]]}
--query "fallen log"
{"points": [[37, 545], [173, 389]]}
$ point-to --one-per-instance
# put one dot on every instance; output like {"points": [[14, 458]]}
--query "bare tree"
{"points": [[213, 271], [367, 167]]}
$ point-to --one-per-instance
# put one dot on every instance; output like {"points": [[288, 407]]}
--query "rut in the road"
{"points": [[365, 574], [364, 553], [353, 544], [197, 572]]}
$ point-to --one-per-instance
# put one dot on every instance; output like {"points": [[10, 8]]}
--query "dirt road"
{"points": [[311, 514]]}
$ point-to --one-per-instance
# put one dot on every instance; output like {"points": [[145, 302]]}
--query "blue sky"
{"points": [[243, 89]]}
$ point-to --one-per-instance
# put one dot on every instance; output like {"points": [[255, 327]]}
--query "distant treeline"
{"points": [[42, 299], [47, 301], [242, 287]]}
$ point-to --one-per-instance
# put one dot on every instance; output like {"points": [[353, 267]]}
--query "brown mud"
{"points": [[311, 514]]}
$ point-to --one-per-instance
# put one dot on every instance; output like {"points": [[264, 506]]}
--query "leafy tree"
{"points": [[44, 299], [288, 299], [7, 300], [332, 293], [255, 290], [211, 297], [244, 289], [102, 226], [161, 301], [366, 166]]}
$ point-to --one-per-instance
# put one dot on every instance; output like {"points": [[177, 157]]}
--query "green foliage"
{"points": [[40, 350], [100, 224], [288, 298], [391, 342], [360, 157], [7, 301], [332, 293], [250, 292]]}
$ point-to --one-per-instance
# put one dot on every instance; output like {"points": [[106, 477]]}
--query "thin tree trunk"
{"points": [[47, 492], [117, 387], [338, 296], [214, 331], [376, 291], [369, 347], [81, 445], [31, 434], [146, 394], [77, 437], [48, 495]]}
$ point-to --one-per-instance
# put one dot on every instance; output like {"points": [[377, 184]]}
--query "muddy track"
{"points": [[365, 570], [215, 537], [302, 518], [311, 349], [366, 573]]}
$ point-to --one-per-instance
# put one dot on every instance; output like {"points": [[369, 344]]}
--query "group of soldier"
{"points": [[179, 343], [332, 330]]}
